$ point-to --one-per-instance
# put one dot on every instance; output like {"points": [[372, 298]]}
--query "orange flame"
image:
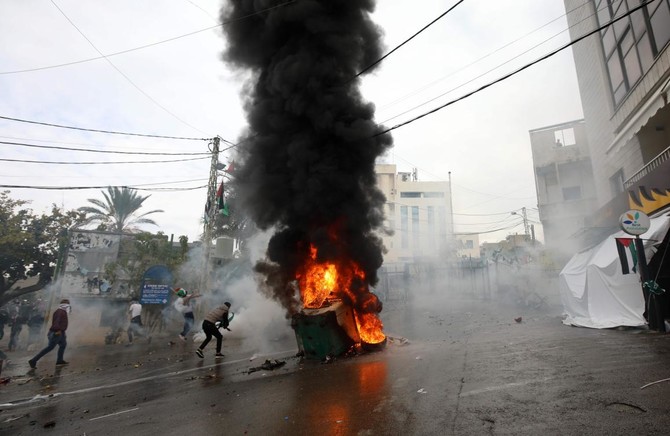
{"points": [[320, 282]]}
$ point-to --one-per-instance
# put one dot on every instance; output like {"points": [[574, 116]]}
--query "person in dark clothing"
{"points": [[210, 326], [35, 321], [56, 334], [20, 313]]}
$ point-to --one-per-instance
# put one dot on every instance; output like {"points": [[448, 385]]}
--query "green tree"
{"points": [[117, 213], [30, 244], [139, 253]]}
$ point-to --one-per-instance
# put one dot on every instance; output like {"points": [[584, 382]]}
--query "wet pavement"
{"points": [[459, 366]]}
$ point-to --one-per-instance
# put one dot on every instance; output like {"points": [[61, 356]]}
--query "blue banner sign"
{"points": [[155, 293]]}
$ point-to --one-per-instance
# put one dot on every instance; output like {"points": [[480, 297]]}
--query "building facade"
{"points": [[623, 72], [566, 196], [418, 215]]}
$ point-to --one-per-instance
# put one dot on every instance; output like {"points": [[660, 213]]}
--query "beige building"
{"points": [[623, 73], [467, 245], [566, 195], [417, 213]]}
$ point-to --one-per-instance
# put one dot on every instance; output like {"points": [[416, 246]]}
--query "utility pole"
{"points": [[526, 229], [210, 214], [525, 221]]}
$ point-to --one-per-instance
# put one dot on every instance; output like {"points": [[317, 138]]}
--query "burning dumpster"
{"points": [[327, 331], [338, 311]]}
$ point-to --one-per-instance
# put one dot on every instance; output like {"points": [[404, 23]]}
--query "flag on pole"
{"points": [[627, 254], [221, 201], [231, 167]]}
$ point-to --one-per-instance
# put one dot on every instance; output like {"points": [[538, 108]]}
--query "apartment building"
{"points": [[418, 214], [566, 196], [623, 73]]}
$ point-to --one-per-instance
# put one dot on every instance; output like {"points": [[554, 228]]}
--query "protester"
{"points": [[36, 321], [19, 316], [4, 319], [210, 326], [136, 327], [56, 334], [183, 306]]}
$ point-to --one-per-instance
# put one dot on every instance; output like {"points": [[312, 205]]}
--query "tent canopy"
{"points": [[595, 292]]}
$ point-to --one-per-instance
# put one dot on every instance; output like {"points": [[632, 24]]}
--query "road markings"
{"points": [[133, 381], [114, 414]]}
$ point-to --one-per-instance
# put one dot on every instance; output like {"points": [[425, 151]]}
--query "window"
{"points": [[433, 194], [469, 243], [632, 43], [660, 24], [616, 183], [564, 137], [404, 227], [431, 226], [415, 228], [572, 193], [410, 195]]}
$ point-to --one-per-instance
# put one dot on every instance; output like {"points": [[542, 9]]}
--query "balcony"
{"points": [[659, 165]]}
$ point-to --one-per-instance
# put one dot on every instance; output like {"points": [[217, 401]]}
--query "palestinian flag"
{"points": [[221, 201], [627, 254]]}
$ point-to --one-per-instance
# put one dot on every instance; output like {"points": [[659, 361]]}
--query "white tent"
{"points": [[595, 292]]}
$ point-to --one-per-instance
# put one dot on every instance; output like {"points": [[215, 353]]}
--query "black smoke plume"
{"points": [[307, 159]]}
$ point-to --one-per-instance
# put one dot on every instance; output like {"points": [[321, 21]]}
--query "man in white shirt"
{"points": [[135, 311]]}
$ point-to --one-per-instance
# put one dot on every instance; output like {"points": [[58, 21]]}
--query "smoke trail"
{"points": [[309, 153]]}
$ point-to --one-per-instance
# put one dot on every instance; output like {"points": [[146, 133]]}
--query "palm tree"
{"points": [[117, 212]]}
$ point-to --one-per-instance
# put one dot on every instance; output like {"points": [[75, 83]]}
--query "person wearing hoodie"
{"points": [[210, 326], [56, 334]]}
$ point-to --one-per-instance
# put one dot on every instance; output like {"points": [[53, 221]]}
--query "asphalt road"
{"points": [[457, 366]]}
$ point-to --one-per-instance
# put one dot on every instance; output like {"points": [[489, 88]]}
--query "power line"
{"points": [[101, 163], [408, 39], [111, 132], [118, 70], [71, 188], [518, 70], [54, 147], [152, 44], [398, 100]]}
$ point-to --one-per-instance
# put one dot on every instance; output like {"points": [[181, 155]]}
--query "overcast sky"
{"points": [[182, 88]]}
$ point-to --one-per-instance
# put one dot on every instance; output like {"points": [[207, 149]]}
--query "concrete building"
{"points": [[467, 245], [418, 213], [623, 73], [566, 195]]}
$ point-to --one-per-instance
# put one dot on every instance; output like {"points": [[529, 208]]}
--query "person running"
{"points": [[56, 334], [135, 326], [210, 326], [183, 305]]}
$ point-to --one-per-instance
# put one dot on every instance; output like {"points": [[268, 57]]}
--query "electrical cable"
{"points": [[118, 70], [100, 163], [54, 147], [407, 40], [405, 97], [514, 72], [152, 44], [111, 132], [71, 188]]}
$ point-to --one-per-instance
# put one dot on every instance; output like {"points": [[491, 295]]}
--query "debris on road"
{"points": [[518, 320], [656, 382], [268, 365], [422, 391]]}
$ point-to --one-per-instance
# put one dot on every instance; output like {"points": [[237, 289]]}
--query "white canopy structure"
{"points": [[595, 292]]}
